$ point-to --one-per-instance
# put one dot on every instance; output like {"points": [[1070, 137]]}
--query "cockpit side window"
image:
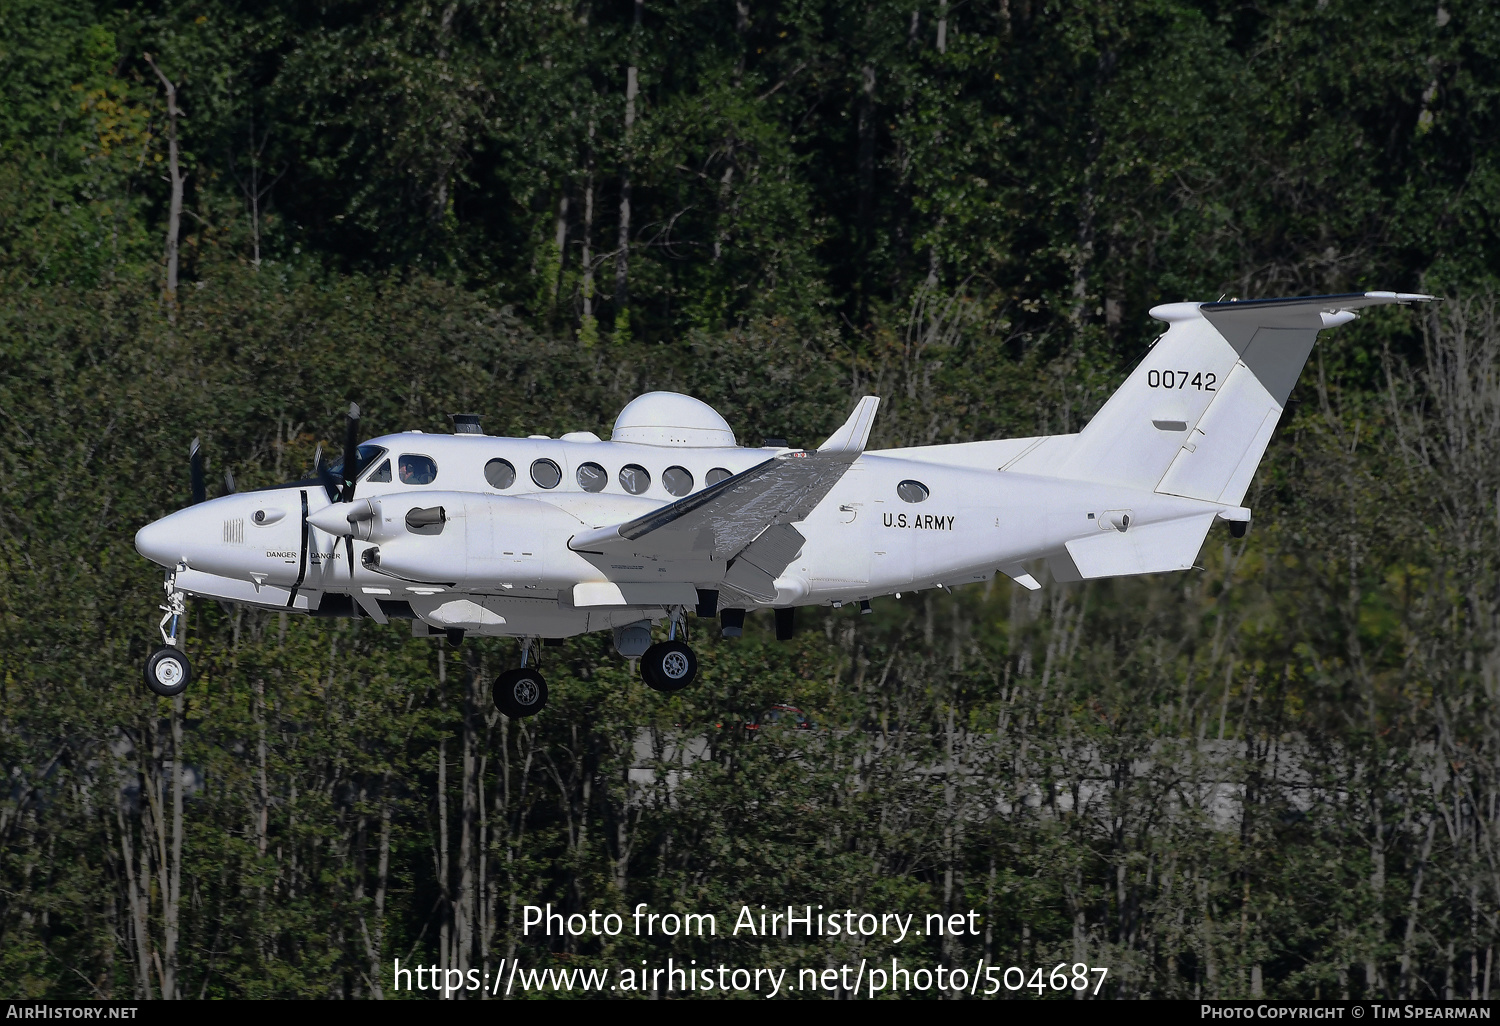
{"points": [[417, 470], [381, 474]]}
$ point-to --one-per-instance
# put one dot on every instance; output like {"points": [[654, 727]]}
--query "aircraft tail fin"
{"points": [[1195, 416]]}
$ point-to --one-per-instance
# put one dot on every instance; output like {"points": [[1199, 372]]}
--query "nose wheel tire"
{"points": [[168, 672], [669, 666], [520, 692]]}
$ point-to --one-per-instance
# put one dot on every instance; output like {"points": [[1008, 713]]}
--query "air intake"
{"points": [[466, 424]]}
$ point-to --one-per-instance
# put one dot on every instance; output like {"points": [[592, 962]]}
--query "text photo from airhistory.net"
{"points": [[746, 500]]}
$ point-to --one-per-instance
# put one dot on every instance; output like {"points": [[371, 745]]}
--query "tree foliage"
{"points": [[1270, 776]]}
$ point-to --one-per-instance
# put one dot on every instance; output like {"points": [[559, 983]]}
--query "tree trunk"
{"points": [[137, 892], [622, 252], [588, 326], [445, 931], [560, 240], [174, 170], [866, 168], [1409, 943], [467, 903], [172, 902]]}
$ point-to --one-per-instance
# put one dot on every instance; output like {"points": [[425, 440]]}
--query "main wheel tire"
{"points": [[669, 666], [520, 692], [168, 672]]}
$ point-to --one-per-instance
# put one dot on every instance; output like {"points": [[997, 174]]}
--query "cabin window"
{"points": [[592, 477], [912, 491], [545, 474], [677, 480], [634, 478], [381, 474], [500, 474], [417, 470], [716, 475]]}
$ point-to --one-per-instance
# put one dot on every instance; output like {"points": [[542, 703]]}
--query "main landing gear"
{"points": [[168, 672], [523, 691], [670, 665]]}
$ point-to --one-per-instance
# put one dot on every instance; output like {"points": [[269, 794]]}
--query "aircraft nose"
{"points": [[161, 542]]}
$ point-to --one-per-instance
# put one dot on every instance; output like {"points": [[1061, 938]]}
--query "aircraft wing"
{"points": [[745, 520]]}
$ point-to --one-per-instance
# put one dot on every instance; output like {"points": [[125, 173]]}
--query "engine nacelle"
{"points": [[463, 538]]}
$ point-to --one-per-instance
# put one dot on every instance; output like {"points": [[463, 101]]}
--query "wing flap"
{"points": [[750, 579], [754, 571]]}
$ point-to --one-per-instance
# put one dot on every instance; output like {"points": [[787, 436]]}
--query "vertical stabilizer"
{"points": [[1195, 416]]}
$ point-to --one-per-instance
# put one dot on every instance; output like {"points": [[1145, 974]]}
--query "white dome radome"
{"points": [[670, 418]]}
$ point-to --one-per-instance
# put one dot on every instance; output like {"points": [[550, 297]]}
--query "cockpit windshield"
{"points": [[363, 457]]}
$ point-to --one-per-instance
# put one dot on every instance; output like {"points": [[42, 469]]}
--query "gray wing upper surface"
{"points": [[746, 519]]}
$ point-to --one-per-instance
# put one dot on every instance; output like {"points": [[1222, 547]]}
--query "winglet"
{"points": [[852, 437]]}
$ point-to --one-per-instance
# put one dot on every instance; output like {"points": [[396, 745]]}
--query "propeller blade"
{"points": [[228, 482], [195, 465], [351, 452], [318, 461]]}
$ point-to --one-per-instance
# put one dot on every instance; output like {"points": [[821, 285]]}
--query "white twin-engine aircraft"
{"points": [[541, 538]]}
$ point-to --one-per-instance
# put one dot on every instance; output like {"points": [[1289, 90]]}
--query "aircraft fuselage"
{"points": [[501, 563]]}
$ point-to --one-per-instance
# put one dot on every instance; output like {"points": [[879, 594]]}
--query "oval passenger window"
{"points": [[912, 491], [677, 480], [545, 474], [592, 477], [716, 475], [634, 478], [417, 470], [500, 474]]}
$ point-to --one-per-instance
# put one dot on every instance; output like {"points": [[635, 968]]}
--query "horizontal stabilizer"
{"points": [[1147, 549]]}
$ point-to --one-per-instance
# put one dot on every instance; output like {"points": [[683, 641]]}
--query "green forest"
{"points": [[1277, 774]]}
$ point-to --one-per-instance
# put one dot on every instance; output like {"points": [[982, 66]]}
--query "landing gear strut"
{"points": [[168, 671], [523, 691]]}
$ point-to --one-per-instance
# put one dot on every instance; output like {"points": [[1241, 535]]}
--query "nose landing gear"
{"points": [[168, 672]]}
